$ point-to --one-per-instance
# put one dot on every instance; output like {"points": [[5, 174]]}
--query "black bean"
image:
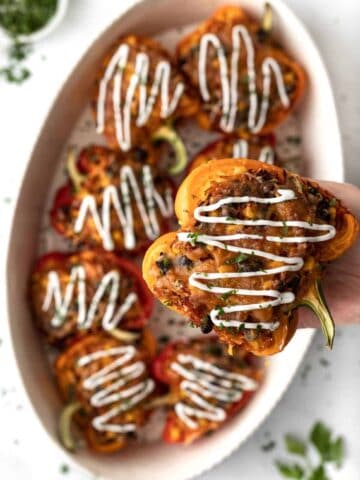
{"points": [[206, 324], [185, 261], [164, 264], [140, 155], [322, 210]]}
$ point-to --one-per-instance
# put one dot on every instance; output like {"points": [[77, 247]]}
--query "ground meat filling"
{"points": [[310, 206]]}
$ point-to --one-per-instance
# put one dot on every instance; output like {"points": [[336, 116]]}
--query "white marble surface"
{"points": [[331, 388]]}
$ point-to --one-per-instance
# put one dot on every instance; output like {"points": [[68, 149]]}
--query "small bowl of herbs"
{"points": [[28, 21]]}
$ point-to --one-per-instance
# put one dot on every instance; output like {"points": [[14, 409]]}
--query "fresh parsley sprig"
{"points": [[330, 450]]}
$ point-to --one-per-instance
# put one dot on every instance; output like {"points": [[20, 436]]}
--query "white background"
{"points": [[331, 388]]}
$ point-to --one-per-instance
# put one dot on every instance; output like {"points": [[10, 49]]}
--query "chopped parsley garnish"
{"points": [[228, 294], [237, 259], [285, 229], [193, 236]]}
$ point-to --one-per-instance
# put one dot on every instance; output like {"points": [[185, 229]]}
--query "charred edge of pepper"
{"points": [[77, 178], [65, 421], [168, 134]]}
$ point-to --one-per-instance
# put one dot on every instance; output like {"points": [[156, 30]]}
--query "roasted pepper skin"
{"points": [[221, 23], [175, 431], [223, 148], [96, 263], [187, 106], [69, 381], [100, 168], [213, 178]]}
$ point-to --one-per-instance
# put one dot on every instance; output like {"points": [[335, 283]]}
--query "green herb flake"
{"points": [[267, 447], [285, 229], [319, 474], [333, 202], [290, 470], [64, 468], [295, 445], [228, 294], [237, 259], [193, 236]]}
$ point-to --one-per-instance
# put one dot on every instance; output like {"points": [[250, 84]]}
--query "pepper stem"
{"points": [[65, 421], [123, 335], [165, 400], [315, 300], [166, 133], [76, 177], [267, 19]]}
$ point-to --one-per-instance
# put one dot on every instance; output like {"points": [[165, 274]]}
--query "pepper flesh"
{"points": [[221, 23], [98, 168], [209, 350], [187, 106], [70, 377], [96, 264], [221, 178]]}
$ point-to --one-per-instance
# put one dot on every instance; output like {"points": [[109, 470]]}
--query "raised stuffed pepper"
{"points": [[253, 243], [246, 146], [105, 384], [138, 93], [207, 386], [247, 82], [112, 200], [90, 290]]}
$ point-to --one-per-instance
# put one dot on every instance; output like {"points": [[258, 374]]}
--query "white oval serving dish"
{"points": [[323, 157]]}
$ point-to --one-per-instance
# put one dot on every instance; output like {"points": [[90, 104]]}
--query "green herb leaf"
{"points": [[320, 437], [237, 259], [336, 453], [290, 470], [319, 474], [294, 445], [193, 237]]}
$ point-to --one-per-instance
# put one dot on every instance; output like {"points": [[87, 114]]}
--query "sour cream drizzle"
{"points": [[241, 150], [138, 81], [120, 372], [121, 202], [230, 94], [109, 282], [291, 264], [203, 382]]}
